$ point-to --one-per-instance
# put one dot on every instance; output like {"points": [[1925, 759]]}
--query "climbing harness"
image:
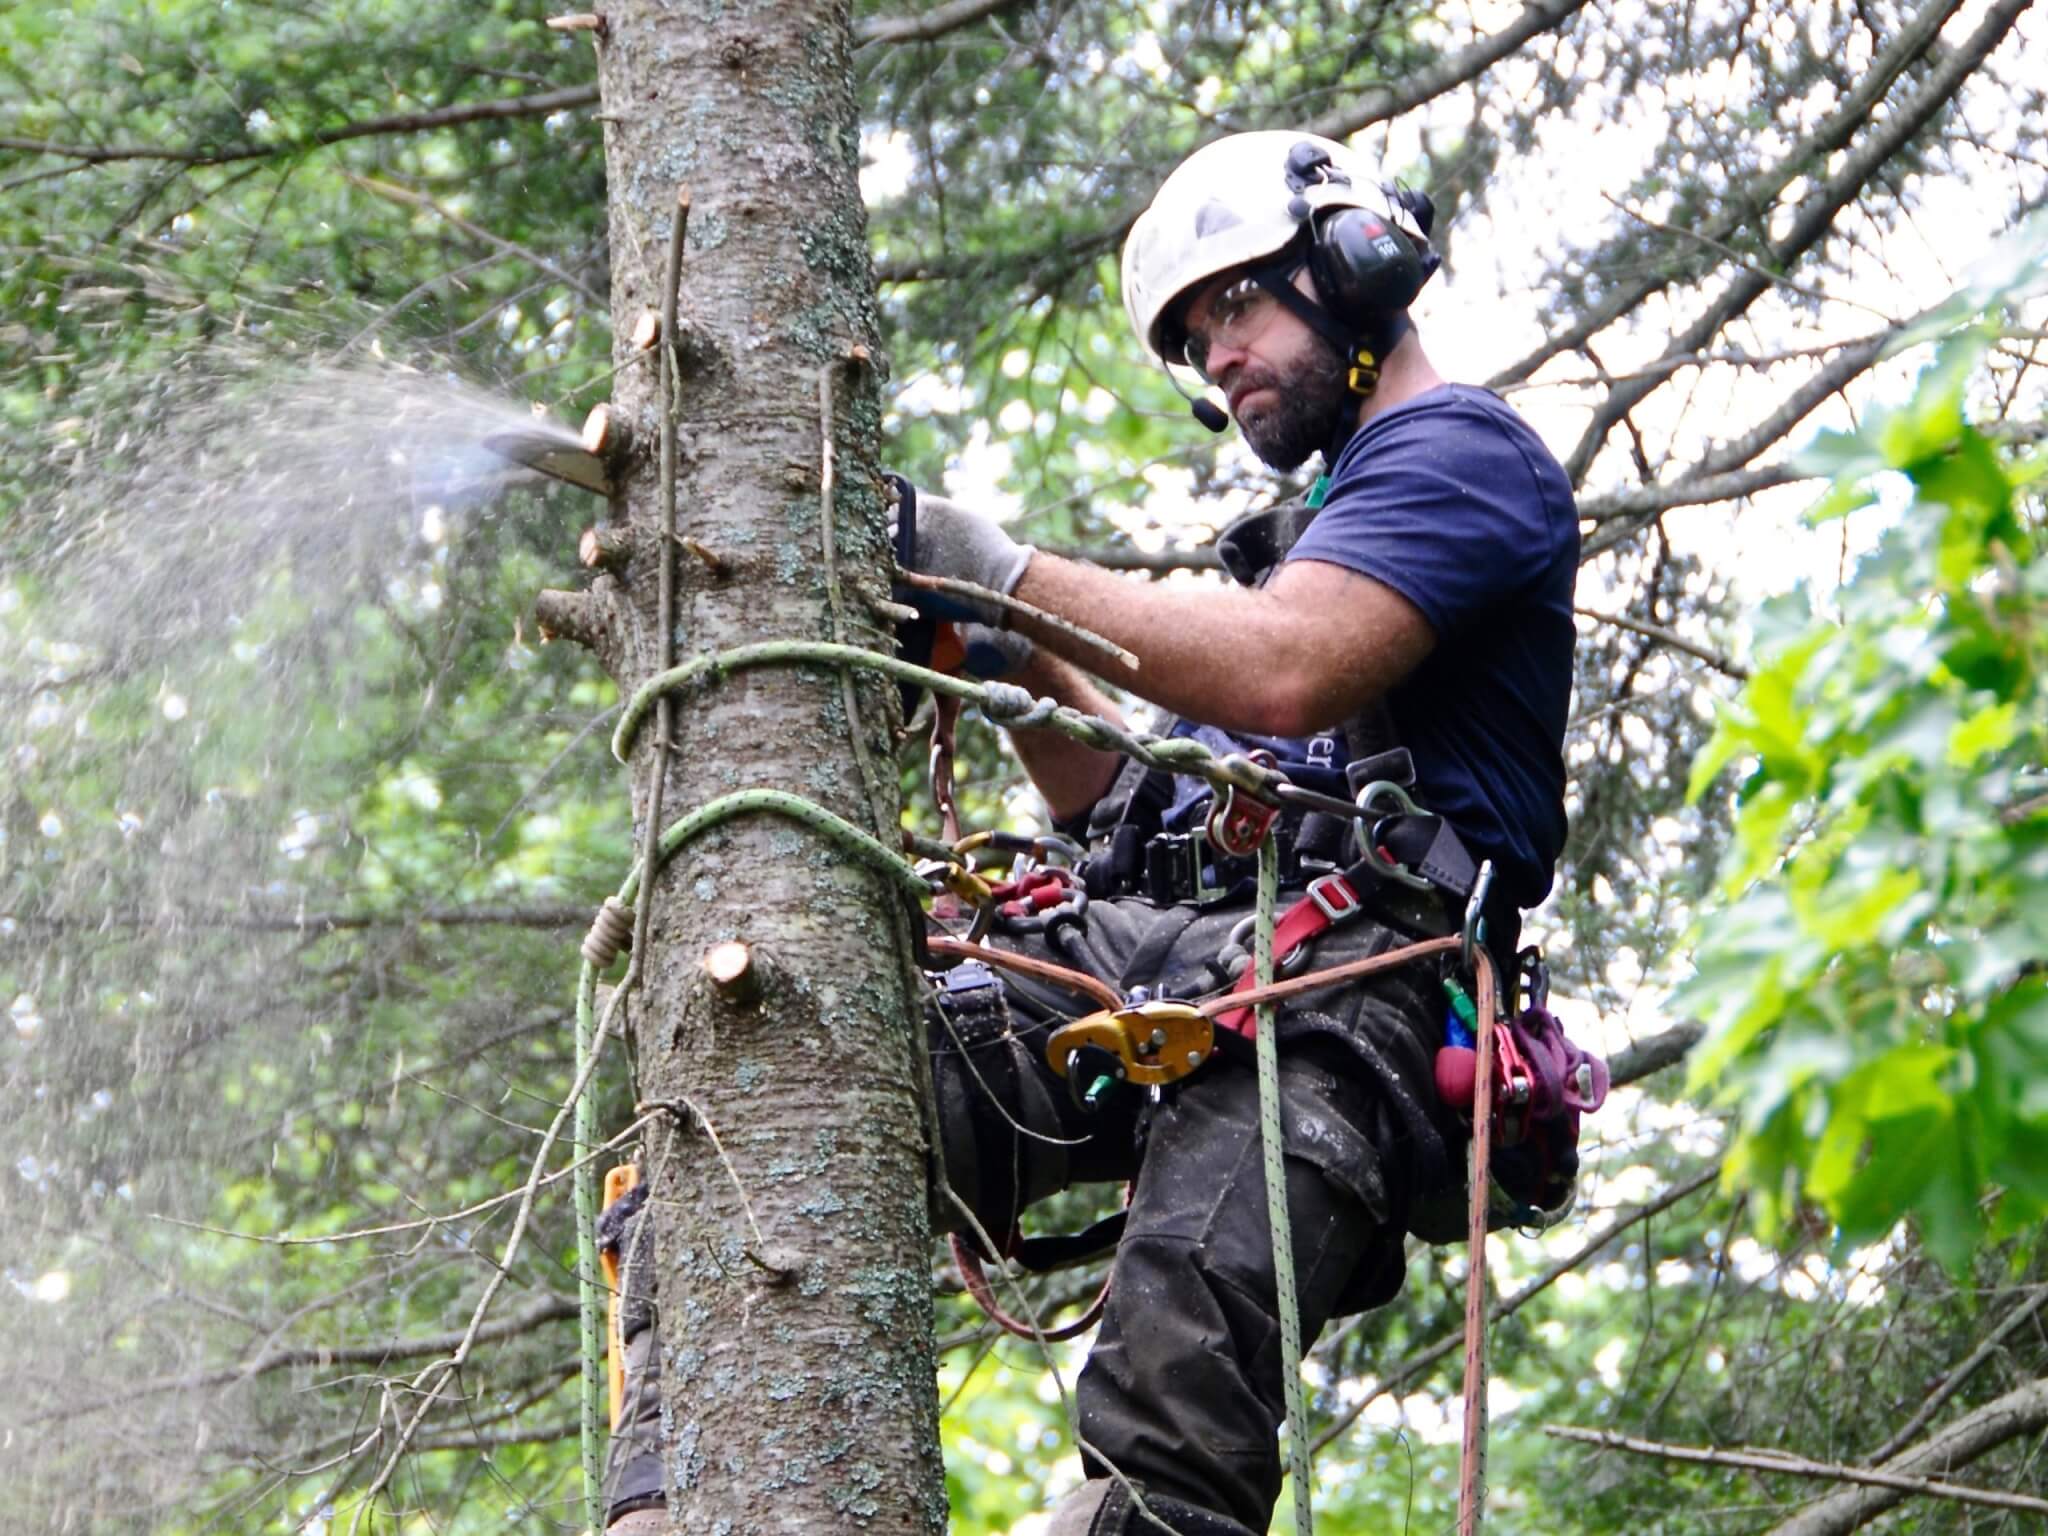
{"points": [[1153, 1043]]}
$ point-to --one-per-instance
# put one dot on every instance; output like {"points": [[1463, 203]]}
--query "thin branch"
{"points": [[475, 231], [546, 1310], [1798, 1466], [2023, 1411], [1953, 1382], [1914, 39], [926, 25], [1814, 217], [301, 922], [1415, 1364], [406, 122], [1468, 64], [1676, 641]]}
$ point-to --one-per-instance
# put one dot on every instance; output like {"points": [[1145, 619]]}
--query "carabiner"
{"points": [[1473, 934], [1386, 868]]}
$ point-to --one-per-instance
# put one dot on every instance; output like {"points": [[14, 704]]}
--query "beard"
{"points": [[1301, 415]]}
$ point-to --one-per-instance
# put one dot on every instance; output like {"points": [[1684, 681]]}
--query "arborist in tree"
{"points": [[1401, 645]]}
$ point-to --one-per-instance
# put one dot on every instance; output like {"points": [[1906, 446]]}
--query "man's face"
{"points": [[1285, 384]]}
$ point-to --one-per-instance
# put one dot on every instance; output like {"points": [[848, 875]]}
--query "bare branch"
{"points": [[2023, 1411], [926, 25], [547, 1309], [302, 922], [1460, 68], [1815, 149], [1676, 641], [406, 122], [1897, 1485], [1412, 1367], [1664, 1049], [2035, 1299], [1814, 217]]}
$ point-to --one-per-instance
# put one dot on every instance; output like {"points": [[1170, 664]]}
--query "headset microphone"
{"points": [[1203, 409]]}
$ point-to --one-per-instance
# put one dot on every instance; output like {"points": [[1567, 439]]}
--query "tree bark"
{"points": [[794, 1302]]}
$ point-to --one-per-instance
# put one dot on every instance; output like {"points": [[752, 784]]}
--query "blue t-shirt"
{"points": [[1451, 500]]}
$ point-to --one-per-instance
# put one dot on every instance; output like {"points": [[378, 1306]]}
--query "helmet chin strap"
{"points": [[1364, 349]]}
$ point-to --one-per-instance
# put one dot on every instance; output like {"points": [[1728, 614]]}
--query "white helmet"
{"points": [[1247, 197]]}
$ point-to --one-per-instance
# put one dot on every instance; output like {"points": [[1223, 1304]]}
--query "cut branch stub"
{"points": [[569, 616], [606, 547], [712, 561], [734, 973], [604, 433]]}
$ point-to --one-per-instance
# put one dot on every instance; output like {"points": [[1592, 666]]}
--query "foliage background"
{"points": [[299, 827]]}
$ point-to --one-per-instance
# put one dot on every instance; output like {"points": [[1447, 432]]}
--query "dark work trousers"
{"points": [[1182, 1391]]}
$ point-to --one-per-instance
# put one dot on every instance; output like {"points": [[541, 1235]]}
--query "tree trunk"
{"points": [[793, 1284]]}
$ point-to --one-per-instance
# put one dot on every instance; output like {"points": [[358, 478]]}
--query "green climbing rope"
{"points": [[589, 1301], [1002, 702], [1272, 1143]]}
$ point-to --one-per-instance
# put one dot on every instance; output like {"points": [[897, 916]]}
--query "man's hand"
{"points": [[952, 542]]}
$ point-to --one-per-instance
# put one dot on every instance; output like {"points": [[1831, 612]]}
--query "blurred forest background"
{"points": [[300, 826]]}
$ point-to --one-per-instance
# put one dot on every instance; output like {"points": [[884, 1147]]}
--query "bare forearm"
{"points": [[1070, 776], [1219, 655]]}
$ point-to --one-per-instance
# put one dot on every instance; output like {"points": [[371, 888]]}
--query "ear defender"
{"points": [[1362, 265]]}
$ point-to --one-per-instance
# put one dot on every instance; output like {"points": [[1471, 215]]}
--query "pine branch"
{"points": [[1813, 219], [1890, 1487], [1815, 149], [301, 922], [1377, 105], [504, 108]]}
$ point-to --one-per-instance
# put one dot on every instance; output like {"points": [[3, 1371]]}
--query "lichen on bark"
{"points": [[811, 1093]]}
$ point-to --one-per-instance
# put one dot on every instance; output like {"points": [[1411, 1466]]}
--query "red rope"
{"points": [[976, 1280], [1472, 1455]]}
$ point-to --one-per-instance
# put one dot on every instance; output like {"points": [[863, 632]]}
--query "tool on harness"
{"points": [[1237, 822], [619, 1182], [1150, 1044]]}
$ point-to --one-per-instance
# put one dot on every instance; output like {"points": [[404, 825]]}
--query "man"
{"points": [[1417, 610]]}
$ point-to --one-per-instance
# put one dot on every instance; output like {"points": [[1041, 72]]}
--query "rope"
{"points": [[588, 1300], [1472, 1454], [865, 846], [1004, 703], [1272, 1144]]}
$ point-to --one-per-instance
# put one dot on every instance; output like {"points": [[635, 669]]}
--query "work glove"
{"points": [[941, 538]]}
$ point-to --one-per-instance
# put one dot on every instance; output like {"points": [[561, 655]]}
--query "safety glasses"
{"points": [[1236, 318]]}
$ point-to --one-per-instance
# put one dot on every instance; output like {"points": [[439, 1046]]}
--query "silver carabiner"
{"points": [[1377, 790], [1473, 933]]}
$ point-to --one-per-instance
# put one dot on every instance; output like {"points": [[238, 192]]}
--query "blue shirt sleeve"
{"points": [[1440, 501]]}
